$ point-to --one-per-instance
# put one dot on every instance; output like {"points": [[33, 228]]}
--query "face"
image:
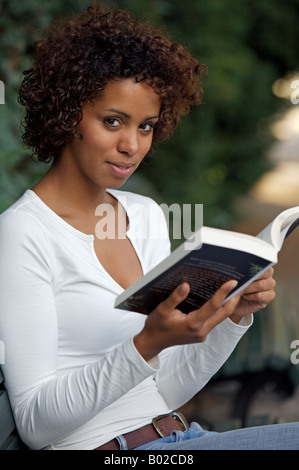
{"points": [[117, 133]]}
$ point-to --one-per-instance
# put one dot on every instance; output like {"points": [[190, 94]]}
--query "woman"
{"points": [[80, 374]]}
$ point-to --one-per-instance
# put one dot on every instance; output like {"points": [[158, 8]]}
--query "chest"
{"points": [[112, 247], [115, 251], [119, 259]]}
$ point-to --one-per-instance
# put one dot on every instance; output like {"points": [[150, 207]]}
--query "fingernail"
{"points": [[231, 285], [182, 289]]}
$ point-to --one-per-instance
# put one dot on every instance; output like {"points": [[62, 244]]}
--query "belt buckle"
{"points": [[174, 414]]}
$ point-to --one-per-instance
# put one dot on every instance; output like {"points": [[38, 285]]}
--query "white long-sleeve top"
{"points": [[74, 378]]}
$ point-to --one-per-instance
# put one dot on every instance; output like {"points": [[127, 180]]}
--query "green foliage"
{"points": [[218, 151], [19, 25]]}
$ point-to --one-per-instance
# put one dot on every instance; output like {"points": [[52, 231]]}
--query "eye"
{"points": [[147, 127], [111, 122]]}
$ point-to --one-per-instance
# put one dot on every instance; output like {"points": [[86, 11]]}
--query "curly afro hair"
{"points": [[79, 56]]}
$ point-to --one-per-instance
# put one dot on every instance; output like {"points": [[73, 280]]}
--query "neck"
{"points": [[67, 194]]}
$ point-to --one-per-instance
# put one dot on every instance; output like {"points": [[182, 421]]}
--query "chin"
{"points": [[115, 184]]}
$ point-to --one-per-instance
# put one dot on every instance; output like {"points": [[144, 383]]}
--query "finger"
{"points": [[264, 298], [175, 298], [267, 274], [260, 285], [219, 297], [225, 311], [214, 317], [216, 302]]}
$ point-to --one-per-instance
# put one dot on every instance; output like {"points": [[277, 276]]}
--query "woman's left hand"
{"points": [[256, 296]]}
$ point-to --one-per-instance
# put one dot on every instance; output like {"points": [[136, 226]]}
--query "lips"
{"points": [[120, 169]]}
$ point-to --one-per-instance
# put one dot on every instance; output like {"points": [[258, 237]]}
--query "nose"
{"points": [[128, 143]]}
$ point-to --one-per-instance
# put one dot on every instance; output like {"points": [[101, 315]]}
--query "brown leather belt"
{"points": [[161, 426]]}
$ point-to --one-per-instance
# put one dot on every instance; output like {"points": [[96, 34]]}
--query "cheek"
{"points": [[98, 142], [146, 146]]}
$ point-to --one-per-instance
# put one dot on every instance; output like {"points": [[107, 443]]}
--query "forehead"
{"points": [[135, 96]]}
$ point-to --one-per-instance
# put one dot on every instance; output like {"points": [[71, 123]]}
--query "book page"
{"points": [[281, 227]]}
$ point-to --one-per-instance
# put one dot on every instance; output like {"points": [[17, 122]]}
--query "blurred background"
{"points": [[237, 154]]}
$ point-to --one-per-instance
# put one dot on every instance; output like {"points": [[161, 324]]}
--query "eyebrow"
{"points": [[127, 116]]}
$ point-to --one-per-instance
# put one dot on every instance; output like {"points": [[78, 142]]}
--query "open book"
{"points": [[207, 260]]}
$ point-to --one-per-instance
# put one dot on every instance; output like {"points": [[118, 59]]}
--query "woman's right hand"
{"points": [[167, 326]]}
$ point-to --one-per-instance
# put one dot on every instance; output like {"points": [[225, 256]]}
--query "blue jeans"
{"points": [[271, 437]]}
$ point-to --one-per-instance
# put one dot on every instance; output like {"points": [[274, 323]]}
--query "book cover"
{"points": [[205, 270], [215, 257]]}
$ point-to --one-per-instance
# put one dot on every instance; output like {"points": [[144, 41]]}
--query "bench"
{"points": [[9, 438]]}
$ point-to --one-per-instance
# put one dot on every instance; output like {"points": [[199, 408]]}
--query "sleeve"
{"points": [[185, 370], [46, 405]]}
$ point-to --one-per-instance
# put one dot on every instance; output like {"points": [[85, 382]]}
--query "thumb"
{"points": [[176, 297]]}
